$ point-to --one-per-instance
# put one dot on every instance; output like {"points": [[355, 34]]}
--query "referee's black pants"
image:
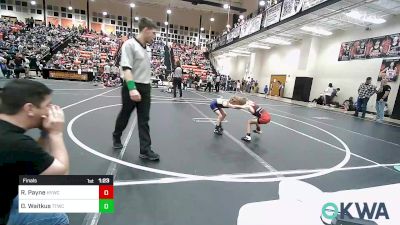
{"points": [[177, 82], [209, 86], [216, 86], [143, 115]]}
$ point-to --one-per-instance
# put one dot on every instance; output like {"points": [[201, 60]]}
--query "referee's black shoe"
{"points": [[117, 143], [150, 155]]}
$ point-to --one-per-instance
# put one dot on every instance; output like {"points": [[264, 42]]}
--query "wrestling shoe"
{"points": [[150, 155], [218, 131], [257, 131], [117, 143], [246, 138]]}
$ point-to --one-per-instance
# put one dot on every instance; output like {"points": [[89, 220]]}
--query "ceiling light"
{"points": [[166, 23], [136, 18], [364, 17], [226, 6], [316, 30], [132, 5], [276, 41], [202, 29], [262, 3], [105, 13], [33, 2], [69, 8], [228, 26], [212, 19], [254, 45], [241, 17], [169, 11]]}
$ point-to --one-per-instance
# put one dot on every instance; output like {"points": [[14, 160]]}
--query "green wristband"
{"points": [[131, 85]]}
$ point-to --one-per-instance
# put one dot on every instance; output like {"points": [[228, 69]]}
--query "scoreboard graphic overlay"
{"points": [[67, 194]]}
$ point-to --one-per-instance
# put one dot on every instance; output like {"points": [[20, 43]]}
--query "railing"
{"points": [[272, 16]]}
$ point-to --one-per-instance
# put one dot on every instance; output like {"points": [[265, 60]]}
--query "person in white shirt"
{"points": [[114, 69], [107, 69], [238, 84], [209, 83], [177, 79], [328, 94]]}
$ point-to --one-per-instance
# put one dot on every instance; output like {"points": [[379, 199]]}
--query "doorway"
{"points": [[396, 108], [277, 85]]}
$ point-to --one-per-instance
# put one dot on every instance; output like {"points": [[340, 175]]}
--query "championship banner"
{"points": [[233, 34], [357, 50], [255, 24], [251, 26], [272, 15], [291, 8], [389, 70], [394, 47], [311, 3], [222, 41], [344, 53], [374, 48], [244, 29]]}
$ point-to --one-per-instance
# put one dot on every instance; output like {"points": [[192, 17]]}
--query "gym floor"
{"points": [[203, 178]]}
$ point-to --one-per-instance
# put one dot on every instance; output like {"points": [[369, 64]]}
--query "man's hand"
{"points": [[135, 95], [54, 121]]}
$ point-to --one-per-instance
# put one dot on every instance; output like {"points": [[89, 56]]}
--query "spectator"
{"points": [[365, 91], [320, 100], [198, 83], [266, 90], [328, 94], [26, 67], [256, 88], [107, 69], [209, 83], [27, 105], [333, 97], [4, 68], [114, 69], [281, 88], [19, 65], [348, 105], [217, 82], [238, 86], [381, 100], [177, 79]]}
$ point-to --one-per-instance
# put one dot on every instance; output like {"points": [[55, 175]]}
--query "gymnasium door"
{"points": [[276, 86], [10, 18], [396, 108]]}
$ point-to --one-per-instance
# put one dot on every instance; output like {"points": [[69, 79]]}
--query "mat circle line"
{"points": [[220, 178]]}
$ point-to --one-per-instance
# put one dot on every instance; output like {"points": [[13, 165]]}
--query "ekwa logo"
{"points": [[330, 210]]}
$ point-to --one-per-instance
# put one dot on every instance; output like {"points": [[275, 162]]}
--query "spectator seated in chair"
{"points": [[320, 100], [348, 105]]}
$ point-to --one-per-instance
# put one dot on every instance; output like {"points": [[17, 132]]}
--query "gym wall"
{"points": [[317, 57]]}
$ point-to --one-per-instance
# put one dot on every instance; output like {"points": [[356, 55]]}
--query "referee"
{"points": [[136, 71]]}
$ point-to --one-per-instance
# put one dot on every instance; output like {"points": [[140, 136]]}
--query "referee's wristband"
{"points": [[131, 85]]}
